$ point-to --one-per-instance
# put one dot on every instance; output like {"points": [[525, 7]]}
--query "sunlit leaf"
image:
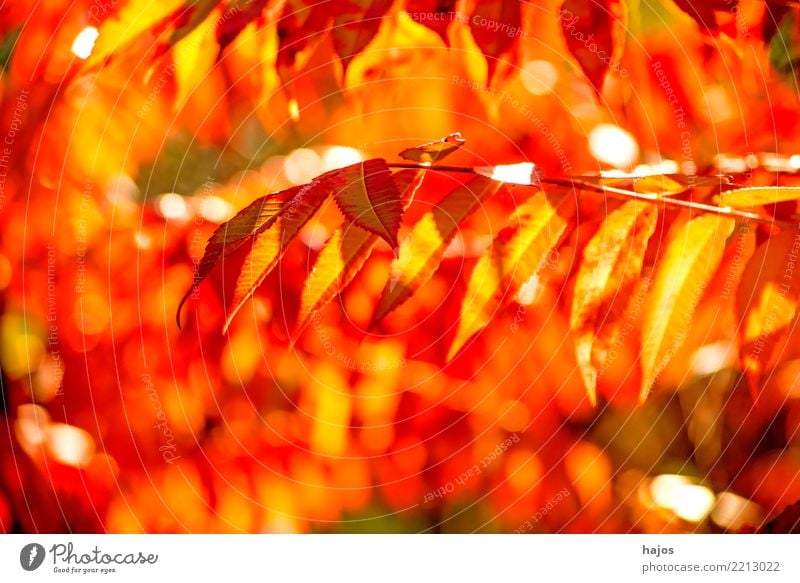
{"points": [[766, 301], [434, 151], [517, 254], [231, 235], [422, 250], [759, 195], [271, 242], [344, 254], [496, 26], [612, 263], [355, 25], [689, 261], [369, 198]]}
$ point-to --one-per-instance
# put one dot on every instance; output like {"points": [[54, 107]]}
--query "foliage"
{"points": [[582, 319]]}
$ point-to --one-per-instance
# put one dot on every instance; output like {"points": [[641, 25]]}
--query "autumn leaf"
{"points": [[689, 261], [659, 184], [271, 241], [422, 250], [237, 20], [343, 256], [589, 32], [300, 26], [369, 198], [436, 15], [434, 151], [356, 25], [773, 16], [229, 236], [759, 195], [495, 26], [517, 254], [611, 265], [189, 17], [703, 12], [766, 302]]}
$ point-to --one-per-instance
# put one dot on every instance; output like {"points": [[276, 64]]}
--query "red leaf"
{"points": [[229, 236], [300, 26], [703, 12], [356, 25], [495, 25], [234, 20], [588, 29], [369, 198]]}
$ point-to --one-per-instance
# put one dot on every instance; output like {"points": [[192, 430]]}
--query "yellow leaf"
{"points": [[517, 254], [344, 254], [689, 261], [766, 302], [423, 249], [611, 265], [758, 195]]}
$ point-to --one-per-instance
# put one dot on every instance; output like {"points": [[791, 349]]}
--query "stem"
{"points": [[624, 194]]}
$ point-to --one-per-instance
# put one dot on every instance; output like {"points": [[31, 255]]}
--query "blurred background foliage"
{"points": [[122, 155]]}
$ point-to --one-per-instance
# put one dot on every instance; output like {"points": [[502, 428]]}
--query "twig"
{"points": [[624, 194]]}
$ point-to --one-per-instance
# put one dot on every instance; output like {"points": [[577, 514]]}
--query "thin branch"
{"points": [[624, 194]]}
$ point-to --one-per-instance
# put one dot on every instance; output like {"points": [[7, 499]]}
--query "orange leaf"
{"points": [[369, 198], [229, 236], [690, 260], [434, 151], [423, 249], [495, 26], [766, 302], [356, 25], [517, 254], [612, 263], [589, 32], [271, 242], [343, 256]]}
